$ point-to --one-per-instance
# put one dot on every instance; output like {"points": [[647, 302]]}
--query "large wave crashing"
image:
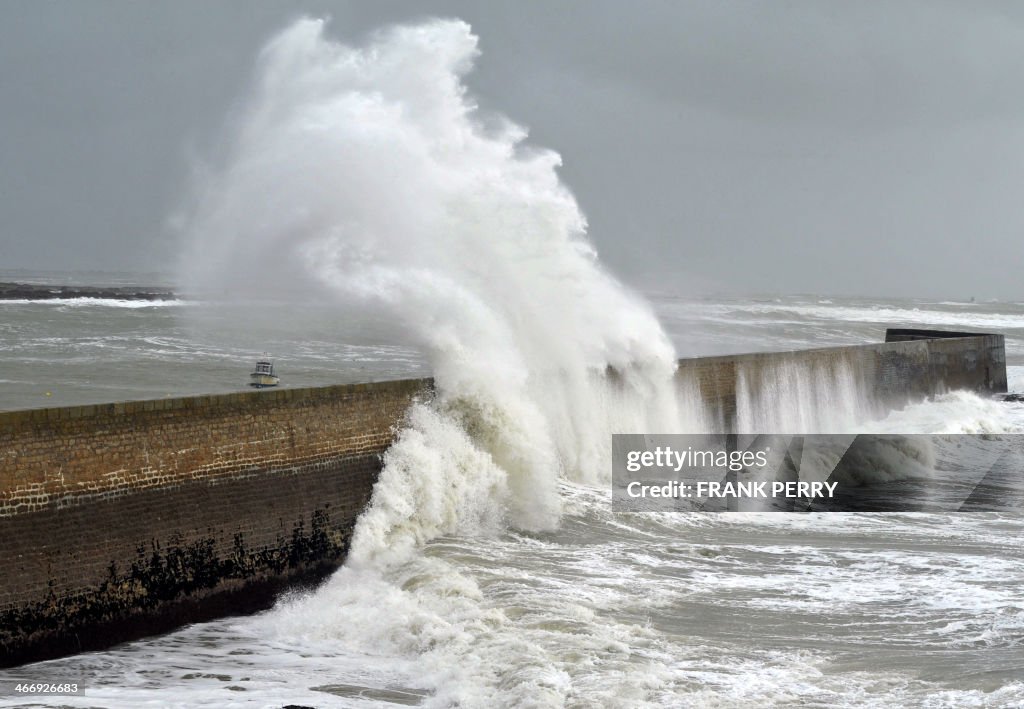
{"points": [[368, 175]]}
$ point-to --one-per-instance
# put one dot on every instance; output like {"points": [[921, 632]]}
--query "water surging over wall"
{"points": [[368, 176], [826, 394]]}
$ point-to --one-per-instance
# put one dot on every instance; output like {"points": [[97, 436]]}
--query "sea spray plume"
{"points": [[368, 174]]}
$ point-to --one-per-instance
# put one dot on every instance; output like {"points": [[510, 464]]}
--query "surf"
{"points": [[369, 175], [367, 178]]}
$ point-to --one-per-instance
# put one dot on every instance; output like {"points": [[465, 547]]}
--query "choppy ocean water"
{"points": [[608, 610], [65, 352]]}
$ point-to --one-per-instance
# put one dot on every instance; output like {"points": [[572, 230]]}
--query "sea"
{"points": [[602, 609], [365, 216]]}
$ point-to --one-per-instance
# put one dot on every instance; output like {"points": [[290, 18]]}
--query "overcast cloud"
{"points": [[834, 147]]}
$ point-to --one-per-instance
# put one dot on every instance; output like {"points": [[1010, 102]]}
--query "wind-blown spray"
{"points": [[366, 176], [369, 173]]}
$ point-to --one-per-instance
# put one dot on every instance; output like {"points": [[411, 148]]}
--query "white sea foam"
{"points": [[97, 302], [971, 319], [367, 176], [954, 412], [1015, 378]]}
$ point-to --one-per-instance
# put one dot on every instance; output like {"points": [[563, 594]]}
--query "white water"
{"points": [[368, 175], [817, 396], [97, 303], [489, 571], [618, 610]]}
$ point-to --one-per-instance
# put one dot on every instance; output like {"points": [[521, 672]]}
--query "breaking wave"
{"points": [[368, 175]]}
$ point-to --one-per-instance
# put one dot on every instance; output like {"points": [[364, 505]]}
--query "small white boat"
{"points": [[263, 375]]}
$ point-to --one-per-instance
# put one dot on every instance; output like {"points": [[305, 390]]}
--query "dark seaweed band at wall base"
{"points": [[818, 473]]}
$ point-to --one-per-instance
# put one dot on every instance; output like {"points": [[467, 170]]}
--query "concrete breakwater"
{"points": [[120, 520], [748, 392]]}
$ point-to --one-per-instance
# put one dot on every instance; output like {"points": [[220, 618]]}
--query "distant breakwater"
{"points": [[34, 291]]}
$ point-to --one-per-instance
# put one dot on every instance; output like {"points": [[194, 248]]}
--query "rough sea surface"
{"points": [[669, 609], [365, 216]]}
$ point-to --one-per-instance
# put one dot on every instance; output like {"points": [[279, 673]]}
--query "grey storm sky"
{"points": [[869, 148]]}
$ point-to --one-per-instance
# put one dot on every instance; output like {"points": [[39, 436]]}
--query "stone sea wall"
{"points": [[124, 519], [909, 365], [120, 520]]}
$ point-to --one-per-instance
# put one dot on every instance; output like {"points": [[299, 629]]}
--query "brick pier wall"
{"points": [[120, 520]]}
